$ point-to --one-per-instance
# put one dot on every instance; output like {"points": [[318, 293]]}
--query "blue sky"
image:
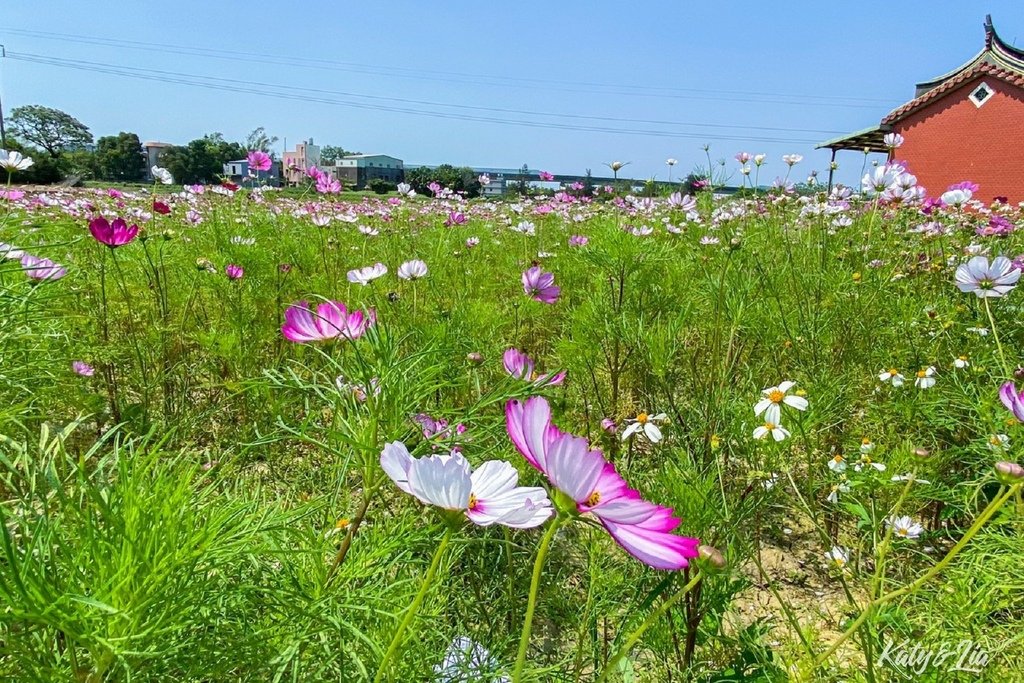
{"points": [[769, 77]]}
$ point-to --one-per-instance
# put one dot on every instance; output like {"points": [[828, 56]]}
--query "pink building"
{"points": [[295, 163]]}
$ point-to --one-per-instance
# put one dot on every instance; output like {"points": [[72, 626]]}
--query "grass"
{"points": [[180, 514]]}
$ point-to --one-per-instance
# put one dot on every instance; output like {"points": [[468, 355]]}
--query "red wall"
{"points": [[952, 140]]}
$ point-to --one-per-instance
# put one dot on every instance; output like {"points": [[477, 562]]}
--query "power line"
{"points": [[281, 92], [460, 77], [405, 100]]}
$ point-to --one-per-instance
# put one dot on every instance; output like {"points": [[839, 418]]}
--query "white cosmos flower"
{"points": [[792, 159], [838, 557], [904, 527], [987, 280], [162, 174], [646, 424], [925, 379], [366, 275], [490, 495], [837, 463], [892, 376], [777, 431], [467, 662], [980, 331], [774, 397], [14, 161], [412, 270], [405, 189]]}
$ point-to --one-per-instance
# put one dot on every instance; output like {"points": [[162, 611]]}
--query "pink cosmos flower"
{"points": [[234, 272], [11, 195], [1012, 399], [744, 157], [455, 218], [38, 268], [82, 368], [331, 319], [578, 241], [546, 176], [412, 270], [987, 280], [520, 366], [540, 285], [114, 234], [472, 242], [609, 426], [259, 161], [641, 528]]}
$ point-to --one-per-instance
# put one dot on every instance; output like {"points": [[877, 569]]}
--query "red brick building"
{"points": [[967, 124]]}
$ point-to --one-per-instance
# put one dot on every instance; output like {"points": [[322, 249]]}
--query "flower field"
{"points": [[262, 435]]}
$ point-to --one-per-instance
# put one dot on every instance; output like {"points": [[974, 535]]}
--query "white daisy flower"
{"points": [[838, 557], [891, 376], [961, 362], [645, 423], [925, 378], [777, 431], [904, 527], [773, 398], [999, 443], [837, 463]]}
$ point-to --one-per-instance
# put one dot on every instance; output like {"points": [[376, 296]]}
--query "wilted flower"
{"points": [[608, 425]]}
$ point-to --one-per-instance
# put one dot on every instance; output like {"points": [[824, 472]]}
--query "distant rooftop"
{"points": [[154, 143]]}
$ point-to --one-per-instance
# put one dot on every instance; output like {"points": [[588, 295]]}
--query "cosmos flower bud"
{"points": [[1009, 472], [735, 243], [608, 425], [475, 357], [1019, 372], [922, 453], [711, 558], [168, 235]]}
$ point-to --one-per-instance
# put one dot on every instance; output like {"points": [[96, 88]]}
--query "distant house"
{"points": [[297, 162], [153, 151], [967, 124], [238, 171], [356, 170]]}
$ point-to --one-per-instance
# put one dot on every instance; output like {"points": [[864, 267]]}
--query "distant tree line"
{"points": [[63, 147], [459, 179]]}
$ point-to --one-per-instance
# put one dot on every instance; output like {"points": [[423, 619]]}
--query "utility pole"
{"points": [[3, 131]]}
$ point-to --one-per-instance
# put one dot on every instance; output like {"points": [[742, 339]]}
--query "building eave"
{"points": [[870, 139], [984, 69]]}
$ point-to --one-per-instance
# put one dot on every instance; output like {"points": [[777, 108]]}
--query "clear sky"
{"points": [[588, 81]]}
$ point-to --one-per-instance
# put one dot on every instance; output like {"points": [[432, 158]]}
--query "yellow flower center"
{"points": [[341, 524], [922, 373], [776, 396], [769, 426], [593, 499], [865, 441], [995, 441], [840, 561], [963, 358], [901, 532], [472, 501], [838, 458], [642, 418], [893, 371]]}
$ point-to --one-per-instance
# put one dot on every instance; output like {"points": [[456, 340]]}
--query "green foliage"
{"points": [[329, 154], [260, 140], [381, 186], [49, 129], [201, 160], [462, 179], [120, 158]]}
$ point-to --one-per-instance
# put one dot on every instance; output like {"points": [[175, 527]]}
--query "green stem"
{"points": [[986, 515], [410, 613], [648, 622], [995, 333], [531, 605]]}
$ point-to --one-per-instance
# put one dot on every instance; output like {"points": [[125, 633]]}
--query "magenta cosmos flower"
{"points": [[82, 368], [546, 175], [540, 285], [116, 234], [643, 529], [38, 268], [520, 366], [259, 161], [331, 319], [1013, 400], [234, 272]]}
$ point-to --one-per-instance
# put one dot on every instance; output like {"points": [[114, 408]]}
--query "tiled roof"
{"points": [[981, 69]]}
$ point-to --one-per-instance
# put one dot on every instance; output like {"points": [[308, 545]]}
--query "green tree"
{"points": [[260, 140], [461, 179], [52, 130], [329, 154], [120, 157], [202, 160]]}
